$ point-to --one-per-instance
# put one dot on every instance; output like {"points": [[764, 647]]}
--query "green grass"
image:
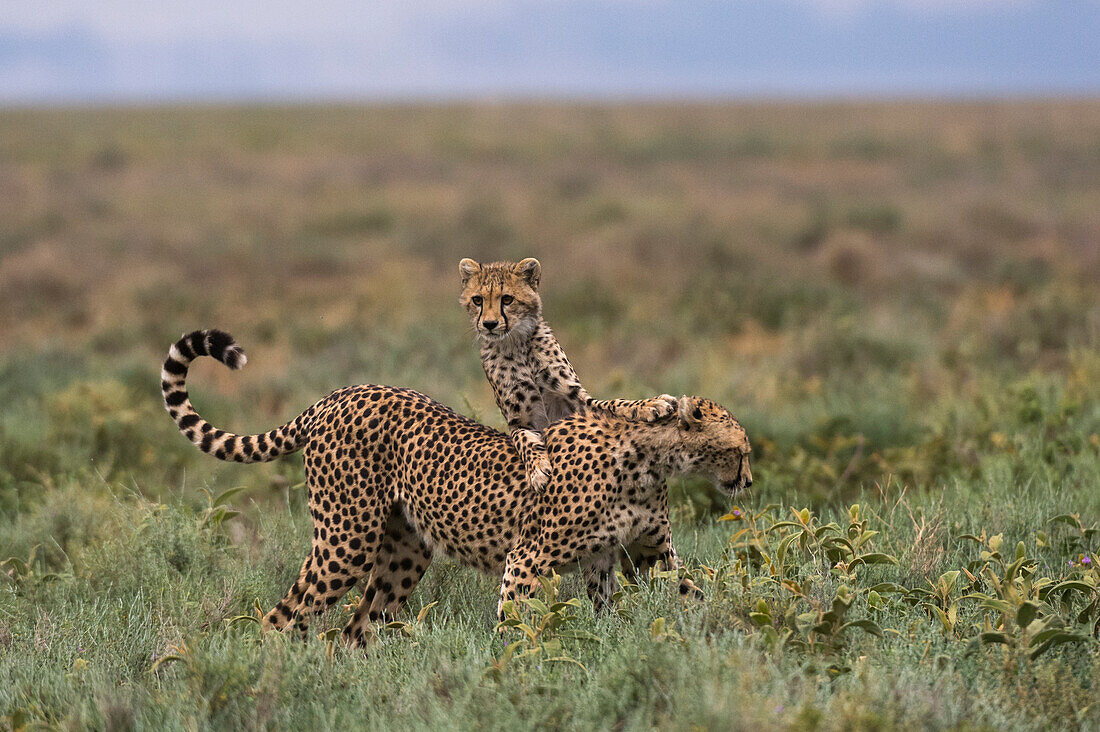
{"points": [[897, 300]]}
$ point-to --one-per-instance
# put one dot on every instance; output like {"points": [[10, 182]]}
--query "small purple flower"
{"points": [[779, 709], [1086, 561]]}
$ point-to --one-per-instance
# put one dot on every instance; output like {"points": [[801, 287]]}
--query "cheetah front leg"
{"points": [[521, 572], [532, 451], [637, 410], [556, 375]]}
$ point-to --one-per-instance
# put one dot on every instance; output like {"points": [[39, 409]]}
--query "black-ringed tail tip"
{"points": [[215, 343], [221, 444]]}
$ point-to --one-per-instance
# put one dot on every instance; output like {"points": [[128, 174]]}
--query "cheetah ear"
{"points": [[530, 270], [689, 411], [467, 268]]}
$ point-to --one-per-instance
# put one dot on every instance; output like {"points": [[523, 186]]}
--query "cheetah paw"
{"points": [[658, 408], [539, 475]]}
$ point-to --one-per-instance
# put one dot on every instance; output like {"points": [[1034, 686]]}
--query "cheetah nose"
{"points": [[748, 483], [489, 324]]}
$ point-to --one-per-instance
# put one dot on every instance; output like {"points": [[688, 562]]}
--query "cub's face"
{"points": [[716, 443], [501, 298]]}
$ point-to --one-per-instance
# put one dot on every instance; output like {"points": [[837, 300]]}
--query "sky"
{"points": [[110, 51]]}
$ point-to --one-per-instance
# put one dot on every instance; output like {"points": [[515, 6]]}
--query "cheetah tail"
{"points": [[222, 445]]}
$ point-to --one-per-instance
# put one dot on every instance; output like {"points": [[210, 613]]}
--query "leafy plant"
{"points": [[816, 632], [539, 625], [939, 599], [1080, 539], [1030, 614], [217, 511], [660, 631], [779, 601], [844, 550], [395, 627]]}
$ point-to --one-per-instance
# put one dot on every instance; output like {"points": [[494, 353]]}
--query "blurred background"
{"points": [[861, 224]]}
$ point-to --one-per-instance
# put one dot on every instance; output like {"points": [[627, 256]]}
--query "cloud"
{"points": [[134, 20], [920, 7], [130, 49]]}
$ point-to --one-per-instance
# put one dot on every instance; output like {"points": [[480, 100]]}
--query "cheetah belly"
{"points": [[569, 537]]}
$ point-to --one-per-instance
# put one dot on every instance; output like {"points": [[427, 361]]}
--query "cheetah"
{"points": [[531, 377], [608, 494], [395, 477]]}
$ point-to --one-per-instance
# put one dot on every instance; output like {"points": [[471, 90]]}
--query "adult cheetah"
{"points": [[394, 477]]}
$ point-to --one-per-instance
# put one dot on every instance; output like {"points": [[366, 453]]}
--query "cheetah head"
{"points": [[714, 443], [502, 298]]}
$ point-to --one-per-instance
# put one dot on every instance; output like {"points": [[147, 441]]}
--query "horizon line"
{"points": [[428, 99]]}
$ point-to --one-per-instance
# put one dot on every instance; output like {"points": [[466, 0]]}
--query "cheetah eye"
{"points": [[476, 300], [506, 300]]}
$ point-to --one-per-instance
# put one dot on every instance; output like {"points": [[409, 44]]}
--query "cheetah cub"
{"points": [[532, 379]]}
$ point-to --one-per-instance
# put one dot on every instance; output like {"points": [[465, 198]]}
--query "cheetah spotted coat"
{"points": [[395, 477]]}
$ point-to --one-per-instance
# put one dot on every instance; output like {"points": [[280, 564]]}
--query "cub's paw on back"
{"points": [[538, 475], [659, 407]]}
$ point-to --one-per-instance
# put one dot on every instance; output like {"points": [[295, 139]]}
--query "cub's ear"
{"points": [[467, 268], [689, 411], [530, 270]]}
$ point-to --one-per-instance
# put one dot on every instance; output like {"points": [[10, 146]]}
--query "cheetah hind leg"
{"points": [[327, 580], [402, 560], [300, 603], [280, 616]]}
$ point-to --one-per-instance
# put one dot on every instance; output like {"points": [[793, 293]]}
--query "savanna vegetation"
{"points": [[899, 301]]}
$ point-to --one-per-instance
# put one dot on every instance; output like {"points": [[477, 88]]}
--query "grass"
{"points": [[897, 300]]}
